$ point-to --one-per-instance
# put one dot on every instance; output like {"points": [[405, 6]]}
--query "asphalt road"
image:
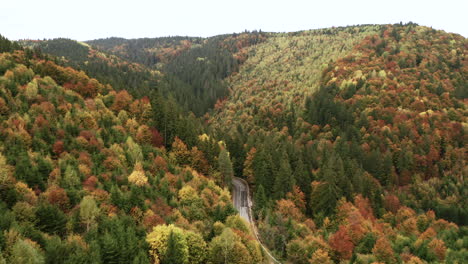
{"points": [[243, 204], [241, 198]]}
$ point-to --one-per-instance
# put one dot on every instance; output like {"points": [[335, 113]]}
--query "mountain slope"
{"points": [[379, 129], [194, 68], [281, 72], [107, 68], [84, 177]]}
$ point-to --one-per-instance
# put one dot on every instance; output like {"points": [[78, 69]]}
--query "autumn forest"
{"points": [[352, 142]]}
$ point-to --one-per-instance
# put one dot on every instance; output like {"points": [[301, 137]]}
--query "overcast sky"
{"points": [[91, 19]]}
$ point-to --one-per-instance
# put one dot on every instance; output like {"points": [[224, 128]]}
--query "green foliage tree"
{"points": [[51, 219], [284, 178], [89, 211], [197, 248], [25, 252], [225, 167], [176, 252], [164, 248]]}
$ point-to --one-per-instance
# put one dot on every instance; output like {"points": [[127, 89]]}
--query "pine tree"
{"points": [[326, 194], [284, 179], [262, 170], [260, 199], [225, 167], [301, 177], [25, 171], [176, 252], [110, 251], [51, 219]]}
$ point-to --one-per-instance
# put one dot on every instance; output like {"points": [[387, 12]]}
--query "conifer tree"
{"points": [[175, 253], [284, 179], [225, 167]]}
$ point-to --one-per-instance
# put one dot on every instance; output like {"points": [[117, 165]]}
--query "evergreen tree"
{"points": [[262, 165], [110, 250], [51, 219], [326, 194], [225, 167], [176, 252], [284, 179], [301, 177]]}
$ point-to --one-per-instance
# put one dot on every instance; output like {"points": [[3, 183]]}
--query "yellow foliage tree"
{"points": [[138, 176], [320, 257], [31, 90], [158, 241], [5, 171]]}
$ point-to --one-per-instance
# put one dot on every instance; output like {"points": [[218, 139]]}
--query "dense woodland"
{"points": [[353, 141]]}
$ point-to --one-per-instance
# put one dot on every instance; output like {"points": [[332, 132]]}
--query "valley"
{"points": [[333, 145]]}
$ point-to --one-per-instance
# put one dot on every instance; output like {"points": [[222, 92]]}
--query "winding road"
{"points": [[243, 204]]}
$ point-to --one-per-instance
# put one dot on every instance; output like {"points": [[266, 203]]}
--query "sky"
{"points": [[91, 19]]}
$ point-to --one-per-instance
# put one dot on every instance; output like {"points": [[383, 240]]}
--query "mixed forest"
{"points": [[352, 140]]}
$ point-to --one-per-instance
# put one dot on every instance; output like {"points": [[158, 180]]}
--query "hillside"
{"points": [[372, 114], [191, 71], [107, 68], [84, 177], [194, 68]]}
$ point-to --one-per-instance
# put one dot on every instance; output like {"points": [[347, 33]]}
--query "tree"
{"points": [[284, 179], [26, 252], [302, 178], [326, 193], [122, 101], [156, 139], [24, 170], [31, 90], [227, 248], [262, 165], [163, 248], [197, 248], [88, 211], [260, 198], [298, 197], [50, 219], [5, 171], [138, 176], [134, 151], [145, 135], [110, 251], [320, 257], [383, 251], [341, 243], [57, 196], [176, 253], [248, 171], [438, 248], [225, 167], [297, 251], [324, 197], [71, 179]]}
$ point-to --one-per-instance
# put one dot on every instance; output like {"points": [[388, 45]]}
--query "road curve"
{"points": [[243, 204]]}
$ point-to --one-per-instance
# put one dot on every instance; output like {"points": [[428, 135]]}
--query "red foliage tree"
{"points": [[156, 139], [122, 101], [58, 147], [341, 243], [57, 196]]}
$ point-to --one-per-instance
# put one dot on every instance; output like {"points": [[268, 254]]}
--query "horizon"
{"points": [[90, 20], [240, 32]]}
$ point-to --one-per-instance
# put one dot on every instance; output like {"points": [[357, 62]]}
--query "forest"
{"points": [[351, 139]]}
